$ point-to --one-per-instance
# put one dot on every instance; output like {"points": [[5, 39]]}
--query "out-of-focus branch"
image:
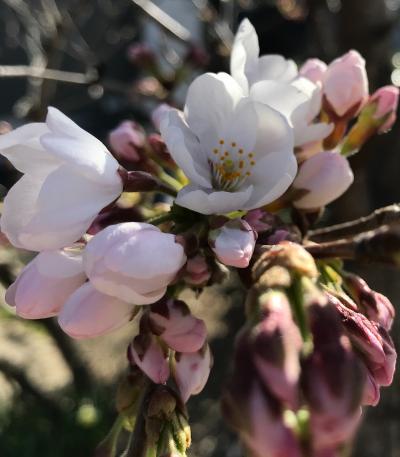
{"points": [[13, 373], [382, 216], [381, 245], [171, 25], [26, 71]]}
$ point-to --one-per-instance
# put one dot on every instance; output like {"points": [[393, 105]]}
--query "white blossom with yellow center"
{"points": [[236, 152]]}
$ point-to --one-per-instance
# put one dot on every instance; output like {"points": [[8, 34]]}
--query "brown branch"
{"points": [[382, 216], [26, 71], [171, 25], [381, 245]]}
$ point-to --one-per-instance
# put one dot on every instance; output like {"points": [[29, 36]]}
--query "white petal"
{"points": [[89, 313], [245, 52], [211, 99], [312, 132], [205, 201], [23, 149], [275, 67], [185, 148]]}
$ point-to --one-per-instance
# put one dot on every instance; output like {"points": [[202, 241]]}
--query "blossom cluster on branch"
{"points": [[233, 181]]}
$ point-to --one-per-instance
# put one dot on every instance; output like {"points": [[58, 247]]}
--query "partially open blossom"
{"points": [[150, 357], [89, 313], [197, 271], [314, 70], [69, 176], [237, 153], [191, 371], [324, 177], [386, 100], [233, 243], [345, 84], [247, 67], [123, 261], [127, 140], [45, 284], [275, 346], [300, 102], [174, 323]]}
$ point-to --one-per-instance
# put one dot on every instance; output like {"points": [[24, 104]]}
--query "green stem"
{"points": [[170, 180], [157, 220]]}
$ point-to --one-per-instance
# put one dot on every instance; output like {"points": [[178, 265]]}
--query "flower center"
{"points": [[230, 165]]}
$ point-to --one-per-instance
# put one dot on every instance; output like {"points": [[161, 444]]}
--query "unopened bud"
{"points": [[197, 271], [233, 243], [191, 371], [149, 355], [314, 70], [323, 177], [176, 326], [345, 86], [127, 141], [378, 116]]}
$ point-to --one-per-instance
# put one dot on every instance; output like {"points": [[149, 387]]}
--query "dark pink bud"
{"points": [[372, 304], [198, 56], [371, 394], [275, 347], [197, 272]]}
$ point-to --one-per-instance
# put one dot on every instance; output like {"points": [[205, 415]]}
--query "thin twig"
{"points": [[381, 245], [26, 71], [382, 216], [166, 21]]}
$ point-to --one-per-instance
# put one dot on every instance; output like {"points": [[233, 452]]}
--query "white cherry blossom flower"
{"points": [[69, 176], [237, 153], [247, 67]]}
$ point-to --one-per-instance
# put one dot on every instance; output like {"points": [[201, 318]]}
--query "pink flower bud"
{"points": [[123, 261], [158, 114], [314, 70], [275, 346], [324, 177], [345, 85], [372, 342], [88, 313], [387, 100], [234, 243], [191, 371], [173, 322], [197, 272], [46, 283], [372, 304], [146, 351], [127, 140], [260, 220], [333, 380]]}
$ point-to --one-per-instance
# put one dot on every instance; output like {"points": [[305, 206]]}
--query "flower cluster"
{"points": [[250, 154]]}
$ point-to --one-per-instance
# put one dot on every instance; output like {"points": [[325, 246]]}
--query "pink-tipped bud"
{"points": [[275, 345], [148, 354], [314, 70], [176, 326], [371, 394], [323, 177], [191, 371], [386, 100], [197, 271], [345, 85], [127, 140], [233, 243]]}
